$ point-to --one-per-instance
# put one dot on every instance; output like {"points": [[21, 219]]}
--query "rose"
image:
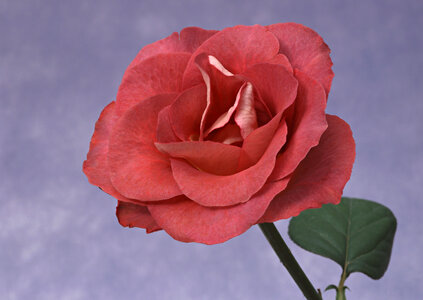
{"points": [[215, 131]]}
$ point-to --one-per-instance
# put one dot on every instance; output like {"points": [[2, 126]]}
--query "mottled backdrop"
{"points": [[61, 62]]}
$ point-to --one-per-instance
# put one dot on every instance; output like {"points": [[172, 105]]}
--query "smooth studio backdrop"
{"points": [[61, 62]]}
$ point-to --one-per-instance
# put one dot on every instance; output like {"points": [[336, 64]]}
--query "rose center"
{"points": [[230, 114]]}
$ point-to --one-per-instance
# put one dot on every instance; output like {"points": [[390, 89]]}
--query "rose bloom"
{"points": [[215, 131]]}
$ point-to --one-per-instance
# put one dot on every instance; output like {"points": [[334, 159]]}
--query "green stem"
{"points": [[289, 261], [340, 291]]}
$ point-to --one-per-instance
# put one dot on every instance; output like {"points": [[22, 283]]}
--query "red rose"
{"points": [[215, 131]]}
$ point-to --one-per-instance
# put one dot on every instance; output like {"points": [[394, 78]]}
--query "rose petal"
{"points": [[132, 215], [160, 74], [207, 156], [229, 134], [321, 176], [306, 51], [307, 127], [236, 48], [188, 41], [213, 190], [257, 142], [137, 169], [186, 111], [276, 87], [218, 65], [222, 90], [165, 133], [282, 60], [245, 115], [262, 110], [187, 221], [95, 166], [226, 116]]}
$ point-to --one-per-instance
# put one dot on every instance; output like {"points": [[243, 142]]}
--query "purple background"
{"points": [[62, 62]]}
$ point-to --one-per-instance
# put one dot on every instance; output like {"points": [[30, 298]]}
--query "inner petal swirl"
{"points": [[230, 114]]}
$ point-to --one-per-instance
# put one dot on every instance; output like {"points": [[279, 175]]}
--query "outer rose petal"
{"points": [[188, 221], [160, 74], [132, 215], [306, 128], [96, 167], [137, 169], [236, 48], [213, 190], [306, 51], [188, 41], [321, 176], [207, 156]]}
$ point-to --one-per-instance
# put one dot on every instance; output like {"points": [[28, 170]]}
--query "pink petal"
{"points": [[95, 166], [137, 169], [306, 128], [225, 117], [222, 90], [236, 48], [207, 156], [229, 134], [306, 51], [186, 221], [245, 115], [194, 37], [321, 176], [165, 133], [160, 74], [132, 215], [187, 41], [218, 65], [282, 60], [275, 85], [257, 142], [262, 110], [186, 111], [213, 190]]}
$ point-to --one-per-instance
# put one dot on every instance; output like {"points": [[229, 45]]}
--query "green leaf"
{"points": [[331, 287], [357, 234]]}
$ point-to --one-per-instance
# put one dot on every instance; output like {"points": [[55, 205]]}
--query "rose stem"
{"points": [[288, 260]]}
